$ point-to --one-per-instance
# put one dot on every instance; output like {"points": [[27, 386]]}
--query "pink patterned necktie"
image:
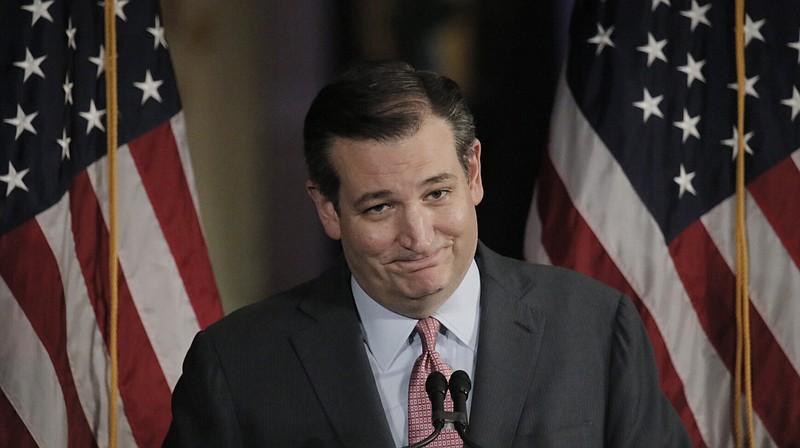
{"points": [[419, 406]]}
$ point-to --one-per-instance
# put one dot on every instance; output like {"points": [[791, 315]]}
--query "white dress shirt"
{"points": [[392, 345]]}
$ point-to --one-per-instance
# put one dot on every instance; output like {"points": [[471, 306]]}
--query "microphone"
{"points": [[436, 387], [460, 385]]}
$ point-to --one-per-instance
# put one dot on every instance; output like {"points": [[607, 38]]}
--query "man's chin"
{"points": [[422, 295], [425, 297], [420, 286]]}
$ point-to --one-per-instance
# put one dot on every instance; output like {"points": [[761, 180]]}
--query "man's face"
{"points": [[406, 216]]}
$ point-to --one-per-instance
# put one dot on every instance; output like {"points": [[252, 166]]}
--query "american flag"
{"points": [[54, 238], [638, 189]]}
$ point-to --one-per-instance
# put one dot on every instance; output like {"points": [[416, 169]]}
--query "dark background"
{"points": [[517, 51], [247, 71]]}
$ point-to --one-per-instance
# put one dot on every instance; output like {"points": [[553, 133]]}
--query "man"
{"points": [[556, 359]]}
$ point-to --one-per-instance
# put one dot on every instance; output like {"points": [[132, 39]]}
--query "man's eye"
{"points": [[375, 209], [438, 194]]}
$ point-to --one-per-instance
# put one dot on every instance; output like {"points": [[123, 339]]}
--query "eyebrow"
{"points": [[381, 194], [369, 196]]}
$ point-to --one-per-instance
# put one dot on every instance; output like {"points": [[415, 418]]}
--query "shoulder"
{"points": [[572, 307], [285, 313], [542, 284]]}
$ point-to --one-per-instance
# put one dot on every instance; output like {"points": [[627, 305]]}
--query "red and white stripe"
{"points": [[684, 290], [53, 301]]}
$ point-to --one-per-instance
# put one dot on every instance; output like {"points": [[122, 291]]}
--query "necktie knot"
{"points": [[428, 330]]}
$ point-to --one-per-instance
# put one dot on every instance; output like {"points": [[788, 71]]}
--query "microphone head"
{"points": [[460, 383], [436, 387]]}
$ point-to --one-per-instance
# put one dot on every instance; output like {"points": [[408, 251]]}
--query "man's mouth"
{"points": [[418, 263]]}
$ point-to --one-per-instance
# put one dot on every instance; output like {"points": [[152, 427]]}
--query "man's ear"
{"points": [[326, 211], [475, 181]]}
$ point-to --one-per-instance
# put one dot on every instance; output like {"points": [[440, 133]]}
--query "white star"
{"points": [[39, 10], [13, 179], [71, 31], [793, 102], [118, 8], [688, 125], [100, 61], [749, 86], [68, 90], [31, 65], [119, 5], [158, 34], [733, 143], [63, 142], [697, 14], [149, 88], [752, 30], [602, 38], [22, 122], [658, 2], [654, 49], [92, 117], [684, 181], [693, 70], [796, 46], [649, 106]]}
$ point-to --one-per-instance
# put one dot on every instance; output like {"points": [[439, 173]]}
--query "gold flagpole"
{"points": [[111, 106], [743, 361]]}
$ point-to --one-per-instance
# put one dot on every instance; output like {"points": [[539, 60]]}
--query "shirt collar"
{"points": [[386, 332]]}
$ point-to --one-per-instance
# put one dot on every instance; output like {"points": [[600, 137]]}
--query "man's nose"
{"points": [[416, 229]]}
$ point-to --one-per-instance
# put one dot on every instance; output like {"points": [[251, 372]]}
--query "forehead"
{"points": [[431, 151]]}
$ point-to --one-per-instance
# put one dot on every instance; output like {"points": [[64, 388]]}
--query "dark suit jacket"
{"points": [[563, 361]]}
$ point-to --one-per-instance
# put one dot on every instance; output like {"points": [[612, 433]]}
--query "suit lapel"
{"points": [[332, 353], [508, 346]]}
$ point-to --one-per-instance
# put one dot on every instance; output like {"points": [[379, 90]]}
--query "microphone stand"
{"points": [[459, 423], [466, 439], [436, 386], [436, 430]]}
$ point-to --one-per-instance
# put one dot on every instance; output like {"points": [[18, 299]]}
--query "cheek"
{"points": [[457, 221], [369, 240]]}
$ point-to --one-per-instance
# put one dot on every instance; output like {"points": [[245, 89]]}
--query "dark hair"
{"points": [[380, 101]]}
